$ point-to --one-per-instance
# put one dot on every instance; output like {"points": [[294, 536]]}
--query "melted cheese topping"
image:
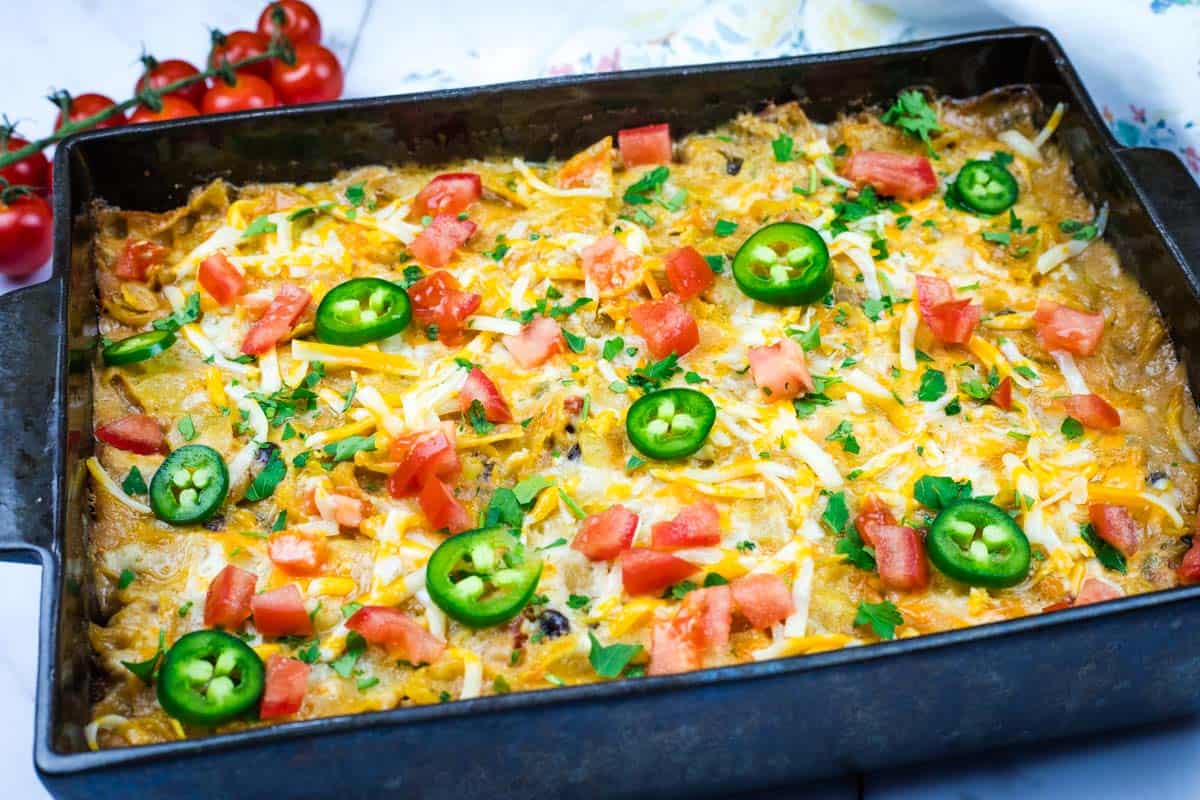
{"points": [[892, 404]]}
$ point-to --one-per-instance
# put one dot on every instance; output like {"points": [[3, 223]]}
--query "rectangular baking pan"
{"points": [[708, 733]]}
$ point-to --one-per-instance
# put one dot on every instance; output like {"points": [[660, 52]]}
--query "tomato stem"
{"points": [[278, 49]]}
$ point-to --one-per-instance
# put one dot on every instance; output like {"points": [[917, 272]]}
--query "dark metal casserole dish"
{"points": [[1029, 679]]}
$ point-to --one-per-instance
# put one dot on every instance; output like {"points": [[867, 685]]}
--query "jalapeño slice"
{"points": [[985, 187], [670, 423], [482, 577], [210, 677], [138, 347], [784, 264], [362, 310], [190, 485], [979, 544]]}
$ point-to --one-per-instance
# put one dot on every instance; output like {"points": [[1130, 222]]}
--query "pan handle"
{"points": [[1174, 197], [31, 434]]}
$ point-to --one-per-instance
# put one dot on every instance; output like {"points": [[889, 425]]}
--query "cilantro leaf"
{"points": [[936, 492], [724, 228], [1071, 428], [355, 194], [575, 342], [504, 508], [612, 348], [1106, 554], [146, 670], [478, 418], [844, 433], [882, 617], [134, 483], [609, 661], [638, 192], [933, 385], [184, 316], [258, 227], [912, 114], [836, 514], [809, 340], [356, 645], [527, 490], [344, 449], [265, 482], [655, 374]]}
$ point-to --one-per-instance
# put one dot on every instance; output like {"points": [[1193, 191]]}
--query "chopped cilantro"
{"points": [[809, 340], [265, 482], [782, 147], [881, 617], [134, 483], [716, 264], [694, 378], [936, 492], [1071, 428], [344, 449], [655, 374], [1109, 556], [933, 385], [527, 490], [478, 418], [355, 194], [609, 661], [258, 227], [612, 348], [633, 463], [126, 578], [183, 316], [997, 237], [724, 228], [187, 429], [912, 114], [639, 192], [146, 670], [575, 342]]}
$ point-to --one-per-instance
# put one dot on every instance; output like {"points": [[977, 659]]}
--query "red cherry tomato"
{"points": [[161, 73], [314, 77], [172, 108], [26, 235], [247, 93], [239, 45], [84, 106], [295, 19], [32, 170]]}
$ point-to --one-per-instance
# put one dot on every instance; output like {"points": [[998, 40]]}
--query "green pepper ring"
{"points": [[985, 187], [138, 347], [979, 544], [652, 419], [179, 471], [387, 303], [231, 673], [513, 585], [800, 276]]}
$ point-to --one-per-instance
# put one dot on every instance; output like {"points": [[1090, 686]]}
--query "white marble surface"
{"points": [[92, 45]]}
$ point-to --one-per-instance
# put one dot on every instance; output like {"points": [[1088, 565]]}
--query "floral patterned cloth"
{"points": [[1140, 59]]}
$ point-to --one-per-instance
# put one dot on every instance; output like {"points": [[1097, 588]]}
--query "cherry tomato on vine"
{"points": [[315, 77], [172, 108], [32, 170], [26, 234], [295, 19], [84, 106], [237, 45], [160, 73], [247, 92]]}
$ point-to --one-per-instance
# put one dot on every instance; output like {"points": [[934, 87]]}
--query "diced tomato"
{"points": [[1002, 395], [646, 571], [221, 279], [1189, 568], [281, 612], [134, 433], [666, 326], [688, 272], [1062, 328], [649, 144], [573, 404], [1116, 526], [698, 525], [671, 650], [1093, 411], [609, 265], [702, 622], [906, 177], [278, 320], [136, 259], [438, 300], [286, 683], [431, 455], [536, 343], [480, 387], [603, 536], [451, 193], [706, 614], [872, 513], [392, 628], [900, 556], [762, 598], [227, 604], [1095, 590], [441, 508], [780, 370], [952, 321], [435, 246], [296, 553]]}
